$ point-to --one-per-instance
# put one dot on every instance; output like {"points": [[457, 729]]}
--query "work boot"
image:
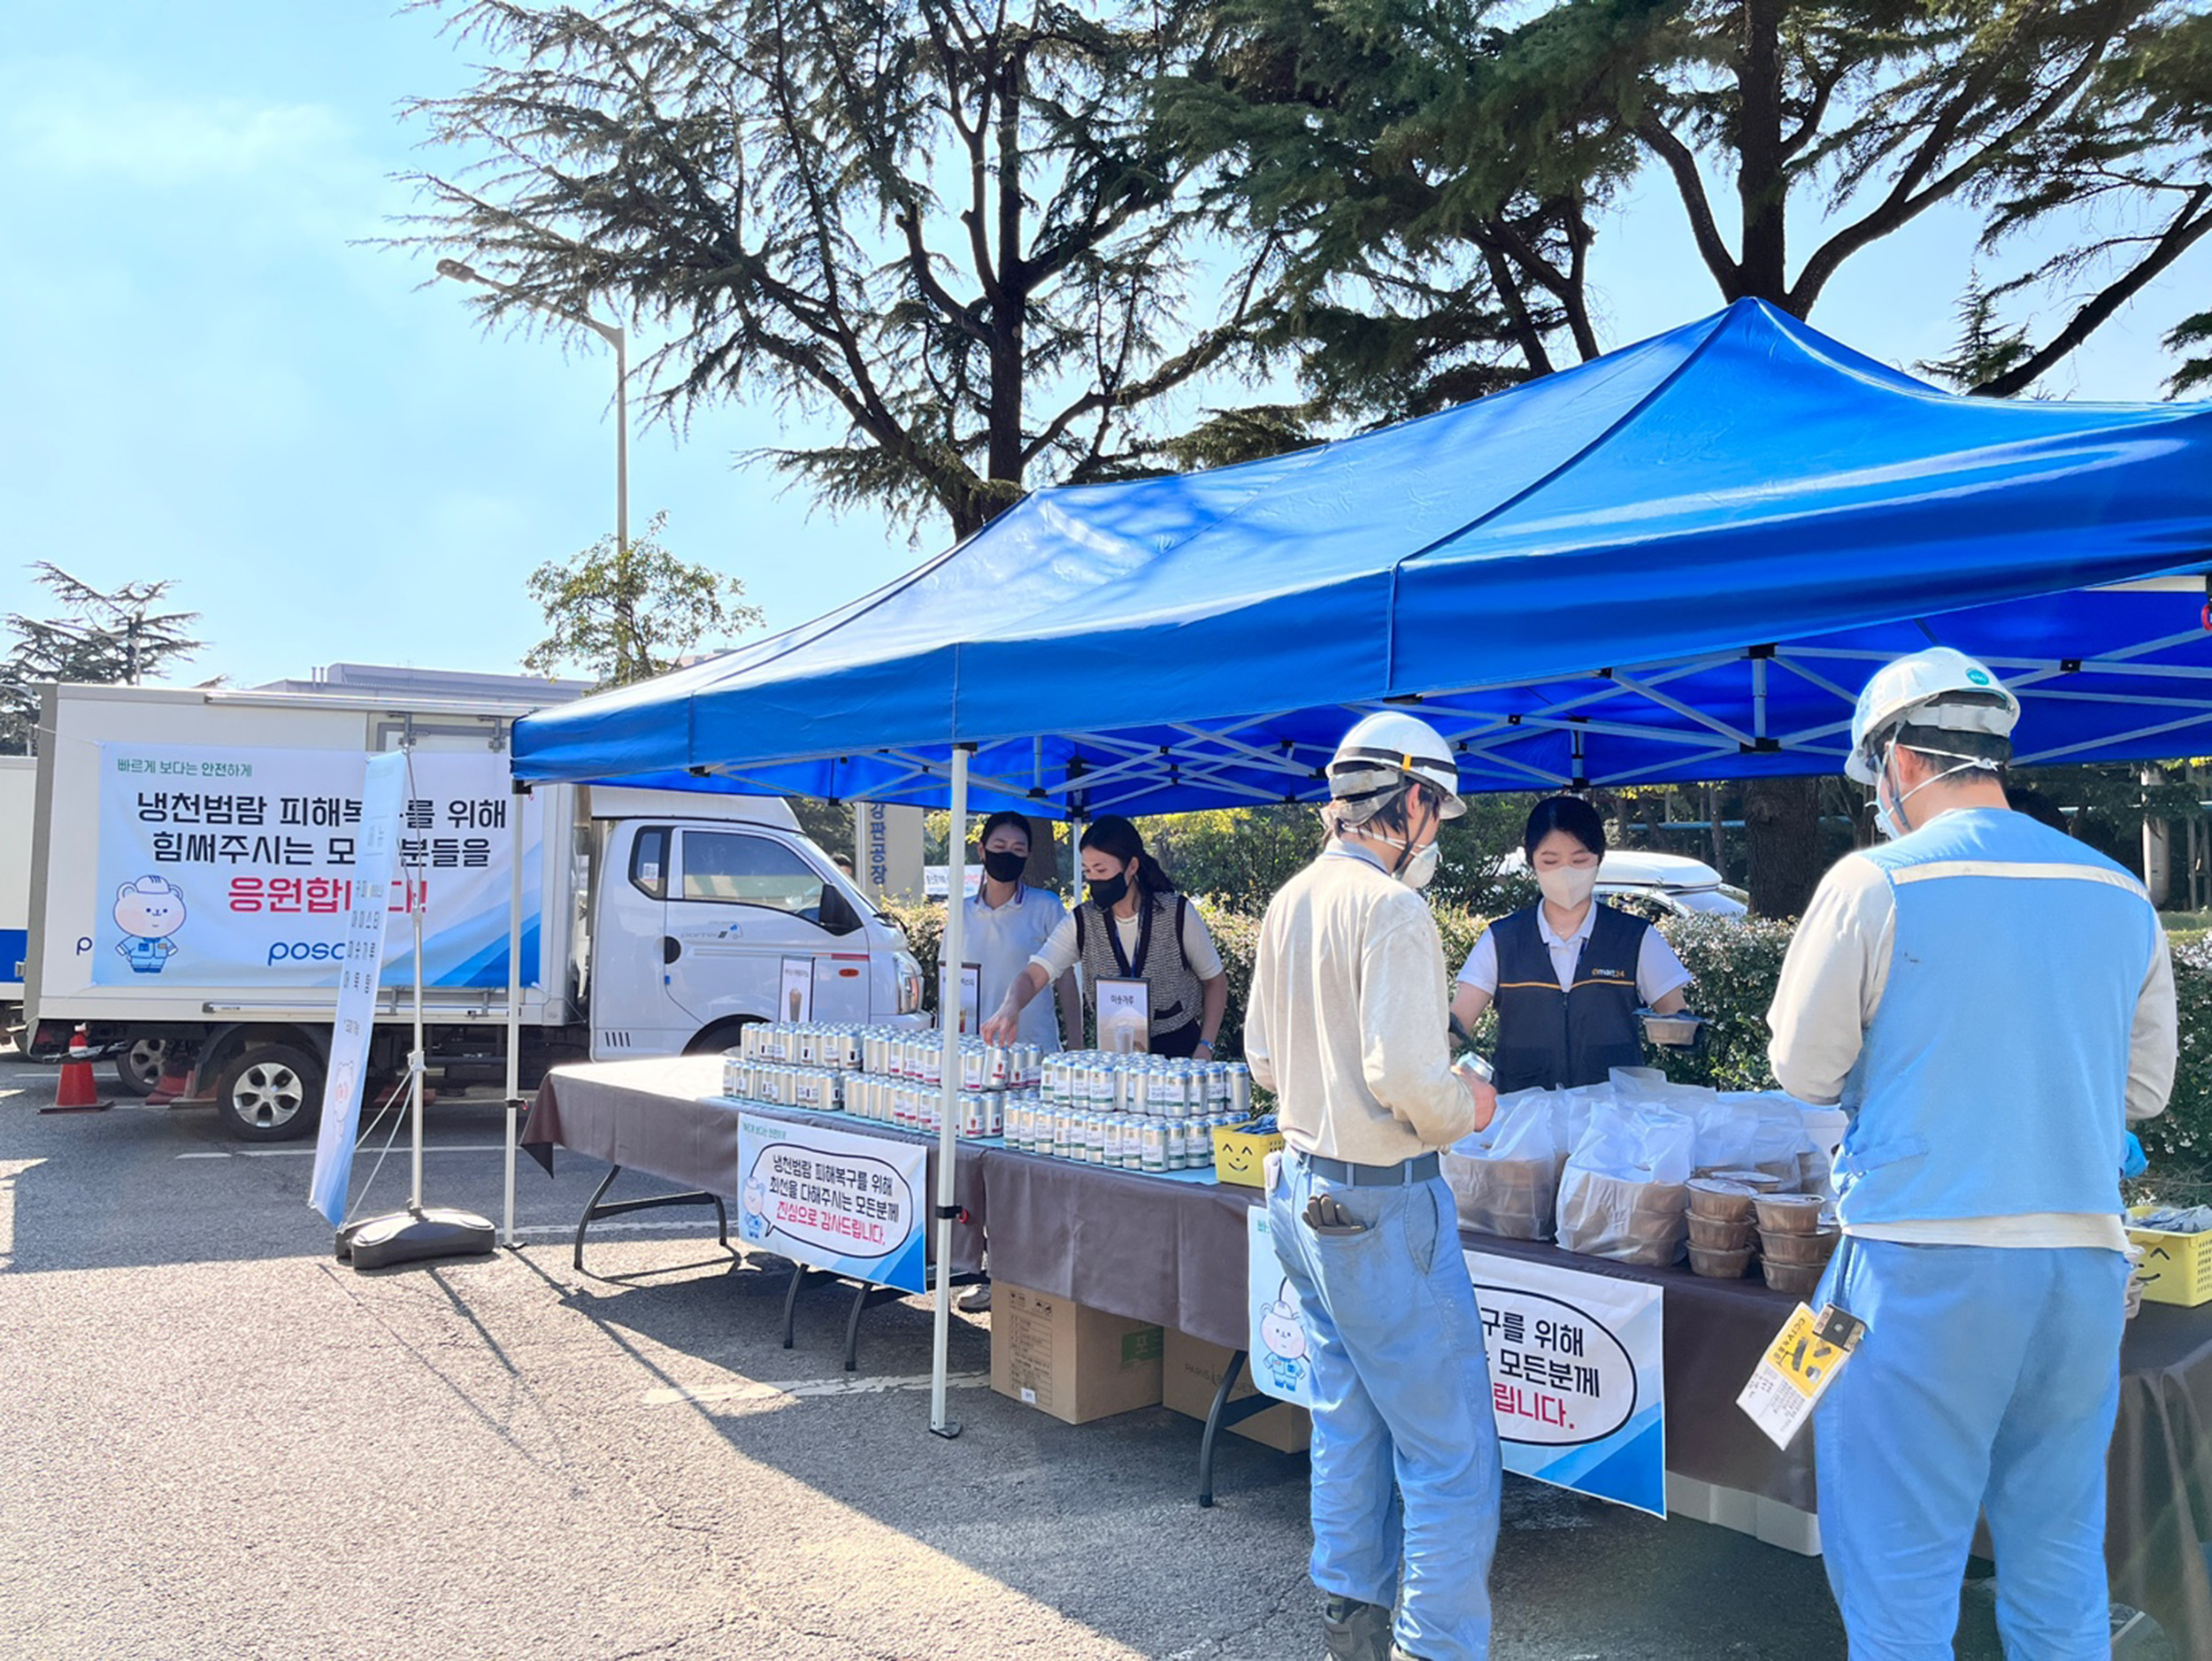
{"points": [[977, 1300], [1354, 1631]]}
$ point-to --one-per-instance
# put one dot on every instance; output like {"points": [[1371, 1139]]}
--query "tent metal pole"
{"points": [[516, 798], [948, 981]]}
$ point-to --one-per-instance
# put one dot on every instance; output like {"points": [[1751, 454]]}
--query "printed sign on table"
{"points": [[851, 1204], [796, 1002], [383, 800], [1125, 1016], [238, 866], [1577, 1376]]}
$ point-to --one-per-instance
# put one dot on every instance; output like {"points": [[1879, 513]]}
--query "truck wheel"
{"points": [[271, 1093], [138, 1069]]}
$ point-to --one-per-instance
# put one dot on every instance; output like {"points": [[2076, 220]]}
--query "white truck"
{"points": [[19, 777], [192, 858]]}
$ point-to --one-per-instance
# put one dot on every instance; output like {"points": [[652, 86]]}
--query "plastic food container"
{"points": [[1789, 1213], [1718, 1198], [1678, 1031], [1716, 1235], [1799, 1280], [1814, 1248], [1719, 1266], [1760, 1182]]}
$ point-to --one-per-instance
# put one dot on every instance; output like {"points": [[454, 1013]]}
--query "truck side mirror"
{"points": [[836, 914]]}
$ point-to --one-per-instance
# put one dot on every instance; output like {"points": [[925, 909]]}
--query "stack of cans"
{"points": [[889, 1075]]}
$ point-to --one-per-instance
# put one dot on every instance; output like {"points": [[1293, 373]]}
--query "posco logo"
{"points": [[307, 951]]}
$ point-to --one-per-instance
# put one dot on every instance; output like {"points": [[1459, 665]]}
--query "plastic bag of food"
{"points": [[1571, 1110], [1625, 1194], [1505, 1179]]}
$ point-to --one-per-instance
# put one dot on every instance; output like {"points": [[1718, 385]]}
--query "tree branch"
{"points": [[2187, 228]]}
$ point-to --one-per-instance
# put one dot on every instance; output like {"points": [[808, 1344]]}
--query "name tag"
{"points": [[1797, 1369]]}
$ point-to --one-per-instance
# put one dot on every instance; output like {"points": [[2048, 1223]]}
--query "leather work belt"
{"points": [[1404, 1174]]}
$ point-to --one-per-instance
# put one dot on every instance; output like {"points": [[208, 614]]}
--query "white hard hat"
{"points": [[1383, 754], [1939, 688]]}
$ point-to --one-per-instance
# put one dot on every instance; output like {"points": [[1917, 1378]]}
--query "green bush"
{"points": [[1735, 963]]}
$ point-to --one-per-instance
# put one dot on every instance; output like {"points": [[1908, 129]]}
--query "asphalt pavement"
{"points": [[224, 1443]]}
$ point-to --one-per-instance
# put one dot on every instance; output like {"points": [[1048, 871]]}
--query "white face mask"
{"points": [[1417, 869], [1567, 886], [1889, 816]]}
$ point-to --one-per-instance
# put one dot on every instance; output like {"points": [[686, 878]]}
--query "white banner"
{"points": [[1577, 1376], [383, 803], [848, 1203], [232, 866]]}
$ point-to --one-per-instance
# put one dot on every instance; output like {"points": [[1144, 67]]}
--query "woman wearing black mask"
{"points": [[1009, 922], [1134, 925]]}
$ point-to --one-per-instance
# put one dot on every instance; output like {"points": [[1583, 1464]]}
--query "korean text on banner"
{"points": [[1577, 1378], [1278, 1340], [383, 802], [854, 1205], [238, 866]]}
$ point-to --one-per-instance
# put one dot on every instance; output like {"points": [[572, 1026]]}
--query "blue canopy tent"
{"points": [[1677, 562]]}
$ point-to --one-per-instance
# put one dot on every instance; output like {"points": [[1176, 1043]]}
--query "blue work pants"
{"points": [[1401, 1395], [1986, 1383]]}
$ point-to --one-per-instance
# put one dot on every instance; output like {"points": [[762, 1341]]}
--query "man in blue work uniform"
{"points": [[1346, 1024], [1992, 1003]]}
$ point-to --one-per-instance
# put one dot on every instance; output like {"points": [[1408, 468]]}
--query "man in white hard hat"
{"points": [[1347, 1024], [1992, 1003]]}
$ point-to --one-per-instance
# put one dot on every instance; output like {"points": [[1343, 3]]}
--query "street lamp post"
{"points": [[613, 334]]}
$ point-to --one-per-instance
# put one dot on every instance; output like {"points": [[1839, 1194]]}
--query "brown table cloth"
{"points": [[648, 1116], [1130, 1244]]}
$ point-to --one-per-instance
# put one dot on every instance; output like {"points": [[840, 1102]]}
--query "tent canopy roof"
{"points": [[1678, 561]]}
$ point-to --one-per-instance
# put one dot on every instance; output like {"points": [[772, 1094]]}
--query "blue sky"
{"points": [[210, 379]]}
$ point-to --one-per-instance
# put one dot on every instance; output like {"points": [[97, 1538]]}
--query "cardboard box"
{"points": [[1240, 1154], [1192, 1370], [2176, 1268], [1069, 1360]]}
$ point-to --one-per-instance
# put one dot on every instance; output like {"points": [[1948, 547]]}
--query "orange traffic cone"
{"points": [[77, 1093], [176, 1080]]}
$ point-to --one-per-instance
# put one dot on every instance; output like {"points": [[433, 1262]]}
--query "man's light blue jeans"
{"points": [[1987, 1384], [1402, 1396]]}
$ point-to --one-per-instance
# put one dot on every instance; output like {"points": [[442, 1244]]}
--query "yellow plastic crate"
{"points": [[2176, 1268], [1240, 1154]]}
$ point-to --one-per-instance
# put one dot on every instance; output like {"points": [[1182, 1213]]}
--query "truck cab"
{"points": [[703, 925]]}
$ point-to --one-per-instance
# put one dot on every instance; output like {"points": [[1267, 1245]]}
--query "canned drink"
{"points": [[1114, 1127], [1094, 1139], [994, 1115], [1154, 1136], [1240, 1090]]}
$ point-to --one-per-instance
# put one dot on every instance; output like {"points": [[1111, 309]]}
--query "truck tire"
{"points": [[138, 1067], [270, 1093]]}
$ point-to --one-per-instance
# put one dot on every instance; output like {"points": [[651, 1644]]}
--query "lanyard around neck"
{"points": [[1144, 939]]}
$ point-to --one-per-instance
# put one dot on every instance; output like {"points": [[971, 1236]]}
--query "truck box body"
{"points": [[192, 857], [19, 784]]}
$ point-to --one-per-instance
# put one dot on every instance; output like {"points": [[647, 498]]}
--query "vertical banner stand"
{"points": [[956, 946], [515, 802], [408, 1236]]}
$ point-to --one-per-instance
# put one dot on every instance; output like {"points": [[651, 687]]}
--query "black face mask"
{"points": [[1107, 895], [1004, 864]]}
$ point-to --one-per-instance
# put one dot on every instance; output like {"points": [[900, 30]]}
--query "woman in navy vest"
{"points": [[1133, 926], [1567, 974]]}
